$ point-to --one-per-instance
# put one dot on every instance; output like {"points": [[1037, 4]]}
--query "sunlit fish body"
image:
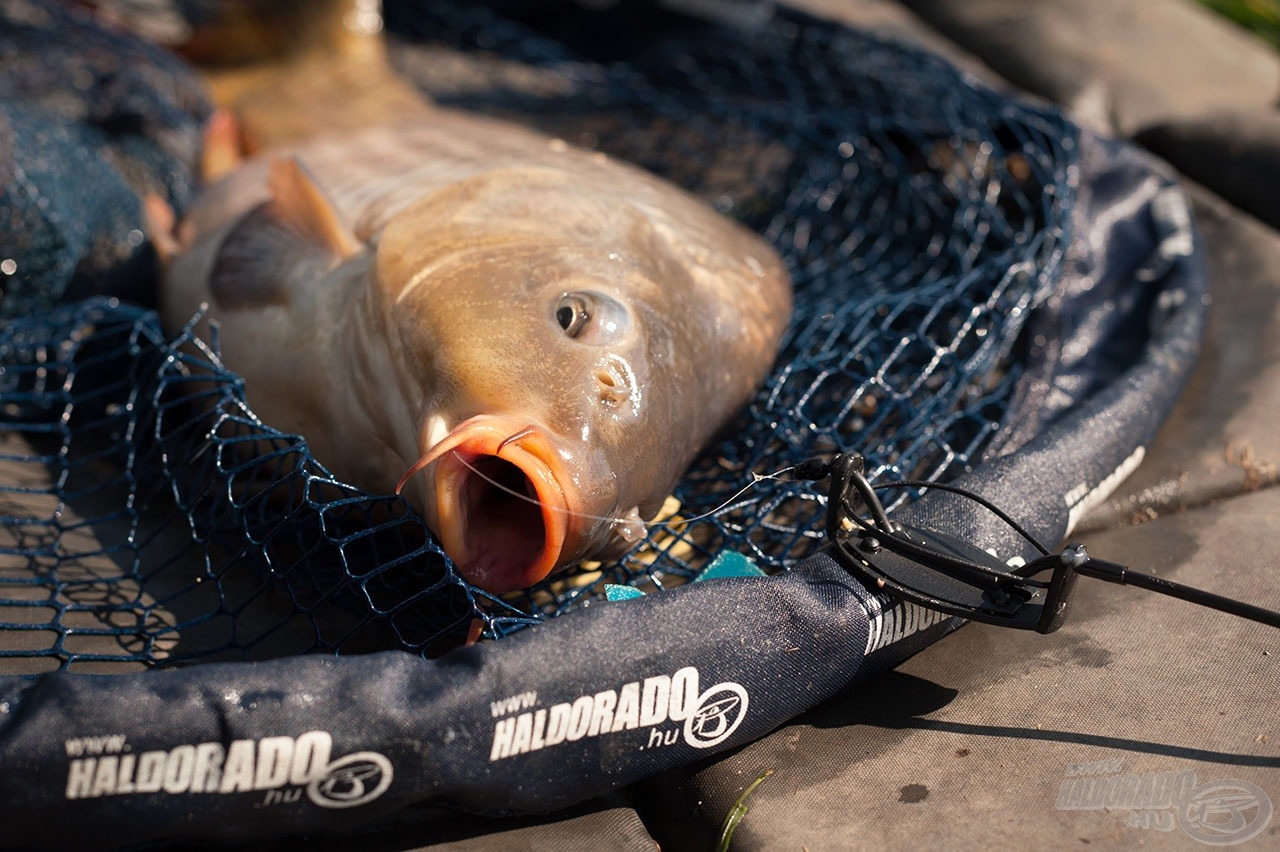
{"points": [[473, 303]]}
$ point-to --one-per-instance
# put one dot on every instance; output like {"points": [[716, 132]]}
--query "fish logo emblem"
{"points": [[717, 713]]}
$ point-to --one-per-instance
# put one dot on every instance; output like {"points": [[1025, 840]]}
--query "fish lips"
{"points": [[501, 503]]}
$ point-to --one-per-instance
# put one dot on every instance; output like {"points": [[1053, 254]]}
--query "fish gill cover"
{"points": [[150, 519]]}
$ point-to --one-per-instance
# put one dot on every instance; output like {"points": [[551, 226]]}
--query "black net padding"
{"points": [[984, 293], [922, 217], [90, 121]]}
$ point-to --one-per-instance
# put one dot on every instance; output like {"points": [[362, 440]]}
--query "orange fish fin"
{"points": [[296, 236], [160, 225], [224, 147], [305, 208]]}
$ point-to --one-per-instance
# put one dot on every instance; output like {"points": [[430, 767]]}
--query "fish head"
{"points": [[570, 360]]}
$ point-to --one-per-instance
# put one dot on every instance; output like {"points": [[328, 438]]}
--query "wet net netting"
{"points": [[147, 517]]}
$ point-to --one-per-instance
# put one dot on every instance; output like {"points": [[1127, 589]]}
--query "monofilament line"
{"points": [[756, 478]]}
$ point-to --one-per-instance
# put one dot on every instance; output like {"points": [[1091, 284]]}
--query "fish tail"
{"points": [[291, 70]]}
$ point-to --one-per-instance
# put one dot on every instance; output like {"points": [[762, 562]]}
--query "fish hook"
{"points": [[515, 438], [427, 458], [432, 454]]}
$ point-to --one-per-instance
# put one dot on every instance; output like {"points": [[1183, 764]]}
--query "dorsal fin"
{"points": [[296, 235]]}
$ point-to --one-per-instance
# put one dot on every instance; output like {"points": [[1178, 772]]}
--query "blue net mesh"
{"points": [[147, 517]]}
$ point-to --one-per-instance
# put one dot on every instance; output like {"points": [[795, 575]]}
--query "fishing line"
{"points": [[756, 478]]}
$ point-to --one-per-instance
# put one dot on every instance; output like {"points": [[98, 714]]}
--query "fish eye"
{"points": [[591, 317], [571, 314]]}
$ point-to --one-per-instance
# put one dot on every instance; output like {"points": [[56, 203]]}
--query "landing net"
{"points": [[148, 518]]}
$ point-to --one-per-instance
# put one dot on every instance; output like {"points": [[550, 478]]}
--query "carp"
{"points": [[531, 339]]}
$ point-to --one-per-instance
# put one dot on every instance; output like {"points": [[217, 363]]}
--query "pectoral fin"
{"points": [[160, 225], [297, 233], [304, 208], [223, 149]]}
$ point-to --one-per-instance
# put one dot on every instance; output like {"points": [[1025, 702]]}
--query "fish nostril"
{"points": [[612, 388]]}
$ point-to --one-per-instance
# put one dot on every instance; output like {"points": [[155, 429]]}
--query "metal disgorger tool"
{"points": [[943, 573]]}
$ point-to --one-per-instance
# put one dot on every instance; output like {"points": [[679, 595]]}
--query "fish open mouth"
{"points": [[500, 510], [501, 526]]}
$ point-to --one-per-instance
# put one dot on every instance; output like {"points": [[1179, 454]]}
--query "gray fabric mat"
{"points": [[607, 825], [1120, 64], [1238, 153], [612, 829]]}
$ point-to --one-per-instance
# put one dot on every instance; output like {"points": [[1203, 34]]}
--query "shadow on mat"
{"points": [[897, 701]]}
